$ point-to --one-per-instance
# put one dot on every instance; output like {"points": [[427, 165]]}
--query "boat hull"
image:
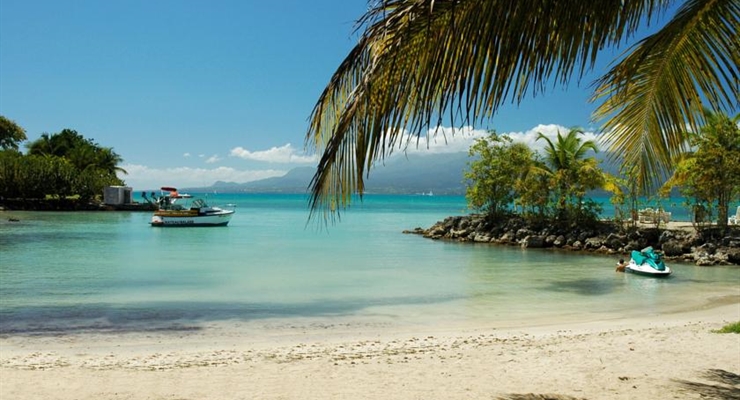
{"points": [[646, 270], [162, 219]]}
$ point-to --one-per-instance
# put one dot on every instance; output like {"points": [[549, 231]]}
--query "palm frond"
{"points": [[661, 85], [420, 62]]}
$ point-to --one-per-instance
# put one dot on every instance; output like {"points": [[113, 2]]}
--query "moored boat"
{"points": [[177, 210], [647, 262]]}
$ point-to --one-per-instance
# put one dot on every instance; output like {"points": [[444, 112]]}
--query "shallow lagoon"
{"points": [[111, 271]]}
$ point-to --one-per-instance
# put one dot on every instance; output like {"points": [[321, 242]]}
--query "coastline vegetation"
{"points": [[61, 170], [509, 179], [730, 328]]}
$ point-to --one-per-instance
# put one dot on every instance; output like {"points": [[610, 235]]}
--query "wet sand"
{"points": [[665, 356]]}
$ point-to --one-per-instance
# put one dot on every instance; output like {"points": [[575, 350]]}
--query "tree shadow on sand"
{"points": [[726, 387], [532, 396]]}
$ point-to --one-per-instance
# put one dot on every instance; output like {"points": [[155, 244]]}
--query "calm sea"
{"points": [[111, 271]]}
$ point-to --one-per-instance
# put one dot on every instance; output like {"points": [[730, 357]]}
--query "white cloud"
{"points": [[186, 155], [449, 140], [141, 177], [550, 130], [213, 159], [436, 141], [284, 154], [443, 140]]}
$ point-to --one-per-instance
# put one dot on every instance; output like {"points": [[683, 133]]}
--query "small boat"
{"points": [[177, 210], [647, 262]]}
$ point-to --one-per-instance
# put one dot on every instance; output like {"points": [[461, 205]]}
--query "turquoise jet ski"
{"points": [[647, 262]]}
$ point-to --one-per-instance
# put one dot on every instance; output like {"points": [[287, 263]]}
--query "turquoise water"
{"points": [[111, 271]]}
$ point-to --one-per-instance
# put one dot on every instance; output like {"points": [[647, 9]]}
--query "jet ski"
{"points": [[647, 262]]}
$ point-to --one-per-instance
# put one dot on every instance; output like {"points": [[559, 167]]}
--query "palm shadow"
{"points": [[726, 387], [531, 396]]}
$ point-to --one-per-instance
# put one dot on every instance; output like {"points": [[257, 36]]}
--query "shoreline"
{"points": [[676, 240], [670, 355]]}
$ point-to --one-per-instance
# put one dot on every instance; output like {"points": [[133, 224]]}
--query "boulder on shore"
{"points": [[606, 237]]}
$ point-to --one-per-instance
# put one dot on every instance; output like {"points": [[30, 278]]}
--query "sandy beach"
{"points": [[671, 356]]}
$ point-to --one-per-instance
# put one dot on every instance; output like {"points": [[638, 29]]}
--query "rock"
{"points": [[666, 236], [634, 245], [673, 248], [550, 240], [733, 255], [720, 256], [456, 234], [533, 241], [522, 233], [615, 241], [560, 241], [481, 238], [507, 237], [708, 248], [594, 243], [731, 242], [700, 247]]}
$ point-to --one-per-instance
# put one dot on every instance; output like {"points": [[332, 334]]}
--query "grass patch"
{"points": [[731, 328]]}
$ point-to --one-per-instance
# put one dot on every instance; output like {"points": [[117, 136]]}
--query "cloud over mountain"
{"points": [[286, 154]]}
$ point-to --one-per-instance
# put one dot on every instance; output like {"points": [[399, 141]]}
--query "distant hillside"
{"points": [[439, 173]]}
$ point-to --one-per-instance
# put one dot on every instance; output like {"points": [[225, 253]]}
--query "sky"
{"points": [[192, 92]]}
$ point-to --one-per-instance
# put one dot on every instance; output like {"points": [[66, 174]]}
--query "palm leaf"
{"points": [[660, 86], [421, 62]]}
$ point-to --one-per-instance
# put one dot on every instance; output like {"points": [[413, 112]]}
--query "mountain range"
{"points": [[412, 174], [438, 174]]}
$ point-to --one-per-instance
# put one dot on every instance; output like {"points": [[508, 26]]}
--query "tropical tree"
{"points": [[81, 152], [625, 193], [711, 174], [58, 144], [419, 63], [534, 190], [10, 134], [571, 173], [69, 164], [492, 178]]}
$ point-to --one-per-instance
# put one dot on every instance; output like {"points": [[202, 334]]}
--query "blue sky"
{"points": [[190, 92]]}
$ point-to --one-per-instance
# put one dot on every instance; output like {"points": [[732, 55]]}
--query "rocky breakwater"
{"points": [[679, 244]]}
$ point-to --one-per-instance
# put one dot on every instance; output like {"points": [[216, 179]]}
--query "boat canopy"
{"points": [[174, 194]]}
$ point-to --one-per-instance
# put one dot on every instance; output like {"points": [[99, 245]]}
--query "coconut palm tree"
{"points": [[570, 171], [419, 63]]}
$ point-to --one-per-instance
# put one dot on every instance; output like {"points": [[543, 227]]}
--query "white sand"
{"points": [[663, 357]]}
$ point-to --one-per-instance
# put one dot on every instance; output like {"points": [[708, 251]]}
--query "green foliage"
{"points": [[626, 194], [709, 177], [10, 134], [571, 175], [418, 61], [493, 175], [59, 165], [730, 328], [549, 187], [534, 191]]}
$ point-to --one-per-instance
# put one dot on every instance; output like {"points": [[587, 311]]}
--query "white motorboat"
{"points": [[647, 262], [177, 210]]}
